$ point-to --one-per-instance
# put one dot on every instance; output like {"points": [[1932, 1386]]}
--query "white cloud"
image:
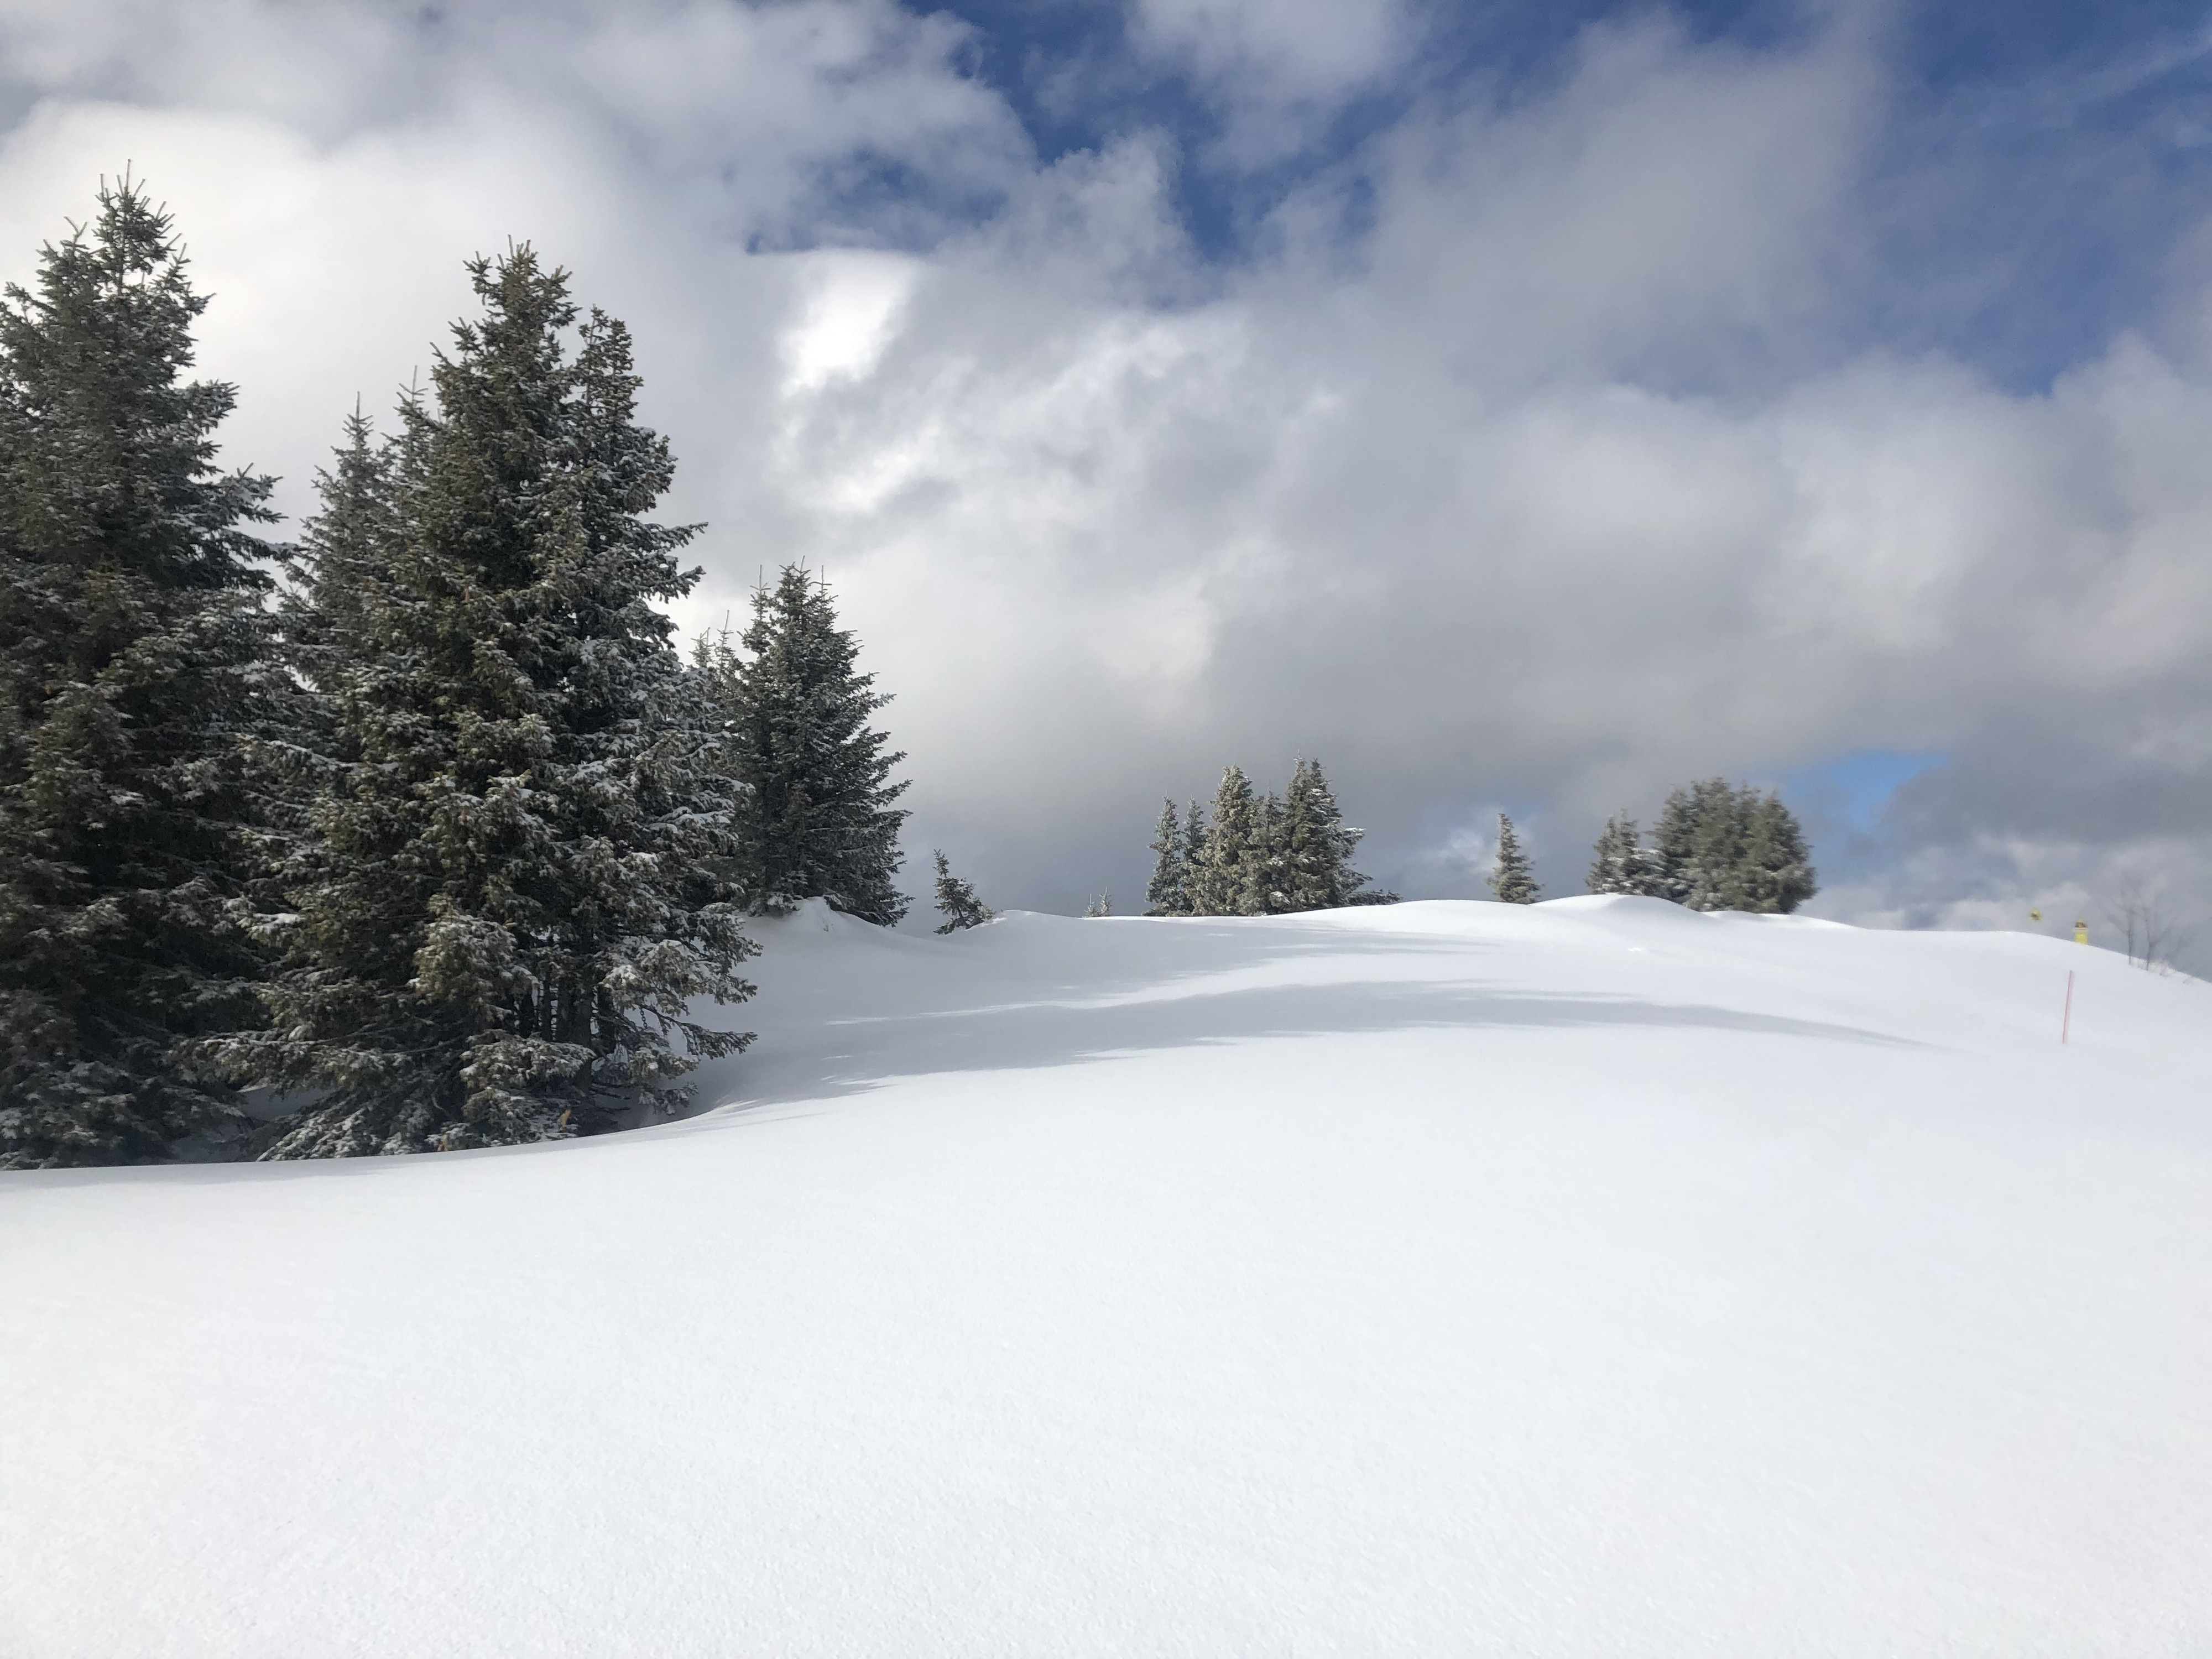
{"points": [[1277, 70], [852, 305], [1316, 44], [1560, 486]]}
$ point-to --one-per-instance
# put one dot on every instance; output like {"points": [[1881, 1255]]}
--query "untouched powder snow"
{"points": [[1592, 1279]]}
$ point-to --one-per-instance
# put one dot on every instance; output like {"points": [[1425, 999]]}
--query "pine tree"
{"points": [[1220, 882], [819, 818], [1265, 866], [1611, 865], [136, 658], [1317, 845], [1165, 894], [1512, 881], [504, 905], [1195, 833], [1692, 839], [957, 902], [1621, 863], [1778, 874], [1715, 873], [345, 544]]}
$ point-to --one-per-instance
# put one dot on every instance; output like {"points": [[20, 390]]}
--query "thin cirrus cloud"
{"points": [[1561, 435]]}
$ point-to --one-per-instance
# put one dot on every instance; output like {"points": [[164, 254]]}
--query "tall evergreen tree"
{"points": [[1317, 845], [957, 901], [1221, 881], [1712, 877], [1513, 881], [1692, 839], [1195, 833], [818, 817], [1166, 894], [1267, 863], [504, 907], [134, 657]]}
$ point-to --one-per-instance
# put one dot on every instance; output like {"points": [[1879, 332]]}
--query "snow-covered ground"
{"points": [[1598, 1279]]}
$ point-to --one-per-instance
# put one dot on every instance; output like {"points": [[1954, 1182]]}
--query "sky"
{"points": [[1523, 407]]}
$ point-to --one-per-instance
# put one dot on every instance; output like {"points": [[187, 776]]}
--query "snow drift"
{"points": [[1597, 1278]]}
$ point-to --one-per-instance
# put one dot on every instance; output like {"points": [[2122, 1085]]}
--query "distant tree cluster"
{"points": [[1717, 847], [447, 843], [1257, 856]]}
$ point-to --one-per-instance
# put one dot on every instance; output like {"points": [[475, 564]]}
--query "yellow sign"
{"points": [[2080, 933]]}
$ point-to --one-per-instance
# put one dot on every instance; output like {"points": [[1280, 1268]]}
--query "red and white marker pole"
{"points": [[2066, 1024]]}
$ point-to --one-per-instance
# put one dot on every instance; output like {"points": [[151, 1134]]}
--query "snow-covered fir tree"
{"points": [[819, 821], [1778, 874], [1267, 859], [136, 658], [345, 544], [1621, 863], [504, 905], [1166, 894], [1511, 880], [1695, 839], [1195, 830], [957, 901], [1221, 883], [1317, 844]]}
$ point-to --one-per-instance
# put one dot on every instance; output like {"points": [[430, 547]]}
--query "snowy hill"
{"points": [[1593, 1279]]}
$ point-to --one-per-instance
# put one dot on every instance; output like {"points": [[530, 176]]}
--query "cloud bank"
{"points": [[1555, 437]]}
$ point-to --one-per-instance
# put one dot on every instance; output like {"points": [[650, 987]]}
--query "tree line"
{"points": [[423, 821], [1716, 846]]}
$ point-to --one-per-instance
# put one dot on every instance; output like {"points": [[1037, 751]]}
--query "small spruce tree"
{"points": [[1612, 858], [1513, 881], [1621, 863], [136, 656], [957, 901], [1166, 894], [819, 821]]}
